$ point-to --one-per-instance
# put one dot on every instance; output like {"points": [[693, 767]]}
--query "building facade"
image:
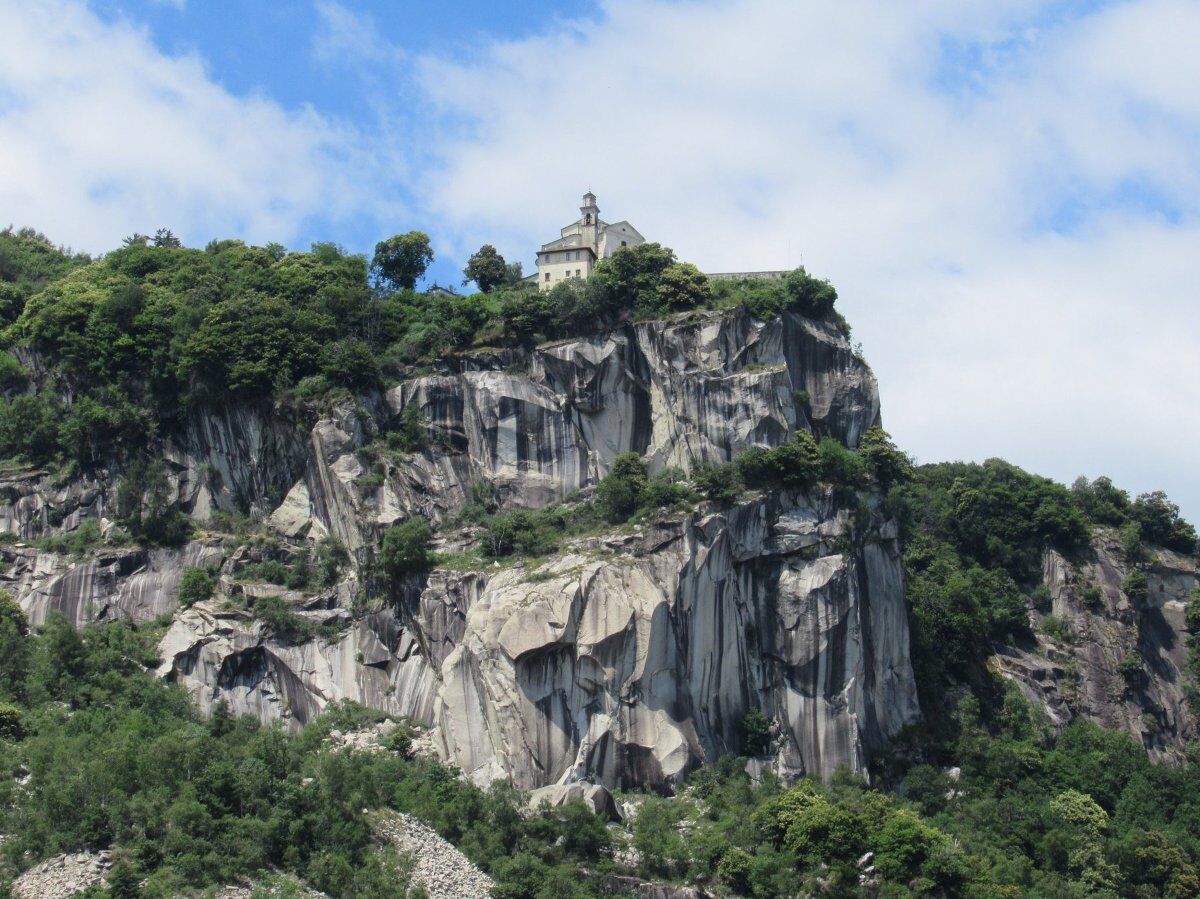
{"points": [[582, 244]]}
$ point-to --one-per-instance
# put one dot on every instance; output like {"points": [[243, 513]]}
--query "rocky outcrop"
{"points": [[62, 876], [140, 584], [698, 388], [441, 869], [1116, 659], [627, 660]]}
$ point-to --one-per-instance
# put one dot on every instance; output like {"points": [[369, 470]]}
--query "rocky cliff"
{"points": [[1108, 652], [628, 659]]}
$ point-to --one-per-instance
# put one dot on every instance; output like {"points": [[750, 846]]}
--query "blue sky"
{"points": [[258, 47], [1006, 193]]}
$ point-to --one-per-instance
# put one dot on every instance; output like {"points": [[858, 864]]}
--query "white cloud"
{"points": [[102, 135], [913, 153]]}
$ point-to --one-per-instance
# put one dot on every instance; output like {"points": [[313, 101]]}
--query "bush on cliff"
{"points": [[621, 492], [795, 463], [195, 585], [405, 548]]}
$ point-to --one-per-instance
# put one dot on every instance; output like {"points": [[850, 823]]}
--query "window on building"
{"points": [[576, 273], [624, 244], [547, 276]]}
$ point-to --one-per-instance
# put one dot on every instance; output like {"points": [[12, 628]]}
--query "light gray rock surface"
{"points": [[62, 876], [444, 871]]}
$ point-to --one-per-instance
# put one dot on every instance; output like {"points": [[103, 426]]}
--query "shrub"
{"points": [[281, 619], [77, 542], [755, 732], [666, 490], [621, 492], [886, 463], [717, 483], [1131, 669], [331, 556], [406, 548], [1055, 628], [268, 571], [839, 465], [796, 463], [1131, 543], [1136, 586], [1041, 598], [196, 585], [144, 507], [412, 435]]}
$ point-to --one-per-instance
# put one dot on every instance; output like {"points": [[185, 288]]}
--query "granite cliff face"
{"points": [[627, 659], [1119, 660]]}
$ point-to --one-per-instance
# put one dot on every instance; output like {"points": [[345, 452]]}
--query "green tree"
{"points": [[631, 276], [14, 648], [621, 492], [123, 882], [401, 261], [682, 286], [406, 548], [884, 460], [1161, 523], [196, 585], [839, 465], [486, 268], [796, 462], [165, 237], [411, 436], [1086, 823], [809, 296], [756, 732], [718, 483]]}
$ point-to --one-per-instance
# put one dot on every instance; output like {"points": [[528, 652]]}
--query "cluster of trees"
{"points": [[628, 491], [117, 758], [99, 753], [647, 281], [973, 537], [1150, 518], [136, 338]]}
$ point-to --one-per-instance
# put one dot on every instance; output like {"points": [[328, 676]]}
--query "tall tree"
{"points": [[401, 261], [486, 268]]}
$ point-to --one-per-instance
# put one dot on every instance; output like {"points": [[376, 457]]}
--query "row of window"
{"points": [[567, 274]]}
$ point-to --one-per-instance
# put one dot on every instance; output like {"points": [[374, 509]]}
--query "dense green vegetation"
{"points": [[98, 753], [115, 757], [152, 329], [973, 537]]}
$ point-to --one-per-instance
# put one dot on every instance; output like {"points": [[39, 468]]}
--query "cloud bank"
{"points": [[1006, 195], [101, 134]]}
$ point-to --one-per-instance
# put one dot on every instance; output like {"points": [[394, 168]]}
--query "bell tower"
{"points": [[589, 220]]}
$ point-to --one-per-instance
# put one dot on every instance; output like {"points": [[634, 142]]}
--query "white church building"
{"points": [[582, 244]]}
